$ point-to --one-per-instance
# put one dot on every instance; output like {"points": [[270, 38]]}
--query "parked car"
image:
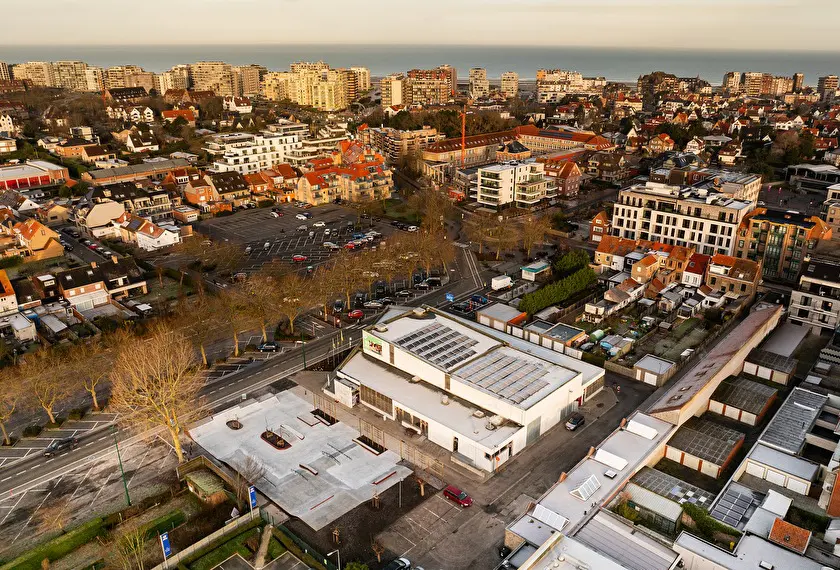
{"points": [[356, 314], [386, 301], [275, 215], [300, 216], [575, 421], [479, 299], [311, 234], [338, 306], [327, 232], [330, 245], [433, 282], [412, 228], [422, 286], [457, 496], [398, 564], [60, 446], [268, 347], [248, 250], [297, 258], [404, 293], [319, 224], [373, 304], [350, 245], [307, 215], [302, 228]]}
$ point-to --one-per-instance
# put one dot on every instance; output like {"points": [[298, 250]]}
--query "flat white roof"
{"points": [[790, 464], [631, 447], [347, 474], [427, 400], [654, 364], [751, 551]]}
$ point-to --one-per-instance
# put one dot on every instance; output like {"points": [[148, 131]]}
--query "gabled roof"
{"points": [[697, 264], [790, 536]]}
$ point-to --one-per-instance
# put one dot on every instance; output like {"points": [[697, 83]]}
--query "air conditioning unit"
{"points": [[478, 414], [415, 379]]}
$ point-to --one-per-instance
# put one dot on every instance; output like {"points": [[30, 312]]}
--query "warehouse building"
{"points": [[480, 393]]}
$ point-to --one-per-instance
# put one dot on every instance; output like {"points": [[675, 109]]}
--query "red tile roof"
{"points": [[790, 536], [697, 264]]}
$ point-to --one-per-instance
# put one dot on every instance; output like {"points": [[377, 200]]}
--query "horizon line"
{"points": [[425, 45]]}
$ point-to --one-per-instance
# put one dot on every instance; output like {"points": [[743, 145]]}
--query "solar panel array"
{"points": [[509, 377], [439, 344], [672, 488], [736, 506]]}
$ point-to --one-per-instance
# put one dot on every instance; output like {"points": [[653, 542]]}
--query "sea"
{"points": [[616, 64]]}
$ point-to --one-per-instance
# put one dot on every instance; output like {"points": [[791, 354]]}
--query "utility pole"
{"points": [[122, 471]]}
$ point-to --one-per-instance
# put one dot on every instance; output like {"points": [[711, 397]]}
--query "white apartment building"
{"points": [[362, 78], [216, 76], [393, 90], [510, 84], [521, 183], [248, 153], [816, 302], [676, 215], [40, 73], [325, 141], [477, 392], [479, 84]]}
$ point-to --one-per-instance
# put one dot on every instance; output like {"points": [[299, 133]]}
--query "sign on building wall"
{"points": [[372, 344]]}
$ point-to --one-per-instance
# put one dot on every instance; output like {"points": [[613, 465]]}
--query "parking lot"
{"points": [[71, 428], [270, 238]]}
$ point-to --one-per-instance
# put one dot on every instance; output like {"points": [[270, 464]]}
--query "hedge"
{"points": [[556, 293], [165, 523], [58, 547], [706, 525]]}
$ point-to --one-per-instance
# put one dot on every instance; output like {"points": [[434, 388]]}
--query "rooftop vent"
{"points": [[415, 379], [489, 426], [380, 328], [444, 399], [478, 414]]}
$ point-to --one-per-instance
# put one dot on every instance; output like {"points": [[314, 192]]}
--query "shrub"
{"points": [[12, 261], [58, 547], [275, 549], [76, 414], [32, 431], [706, 525]]}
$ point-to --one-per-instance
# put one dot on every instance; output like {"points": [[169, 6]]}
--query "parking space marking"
{"points": [[11, 510]]}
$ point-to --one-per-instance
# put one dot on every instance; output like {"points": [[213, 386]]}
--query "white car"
{"points": [[275, 215], [319, 224], [412, 228], [331, 245], [300, 217], [327, 232]]}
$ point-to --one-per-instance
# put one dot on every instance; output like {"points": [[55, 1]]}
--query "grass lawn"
{"points": [[223, 552], [685, 326], [275, 549], [401, 211]]}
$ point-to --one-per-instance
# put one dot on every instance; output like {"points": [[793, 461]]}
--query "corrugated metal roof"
{"points": [[793, 421], [653, 502]]}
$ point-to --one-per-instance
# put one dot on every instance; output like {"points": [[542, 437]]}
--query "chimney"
{"points": [[562, 478], [623, 422], [93, 265], [114, 259]]}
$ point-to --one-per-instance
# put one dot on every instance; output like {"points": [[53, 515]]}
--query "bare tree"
{"points": [[533, 232], [91, 363], [503, 234], [201, 321], [479, 227], [46, 372], [295, 297], [156, 383], [263, 300], [251, 471], [129, 548], [11, 394], [234, 311]]}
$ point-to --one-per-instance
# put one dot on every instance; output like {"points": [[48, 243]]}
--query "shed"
{"points": [[536, 271], [770, 366], [653, 370], [742, 399], [704, 445], [207, 486], [499, 316], [664, 514], [781, 469]]}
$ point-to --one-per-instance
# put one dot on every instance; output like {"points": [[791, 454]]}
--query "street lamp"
{"points": [[337, 555], [122, 471]]}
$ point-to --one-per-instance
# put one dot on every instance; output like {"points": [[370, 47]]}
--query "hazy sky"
{"points": [[692, 24]]}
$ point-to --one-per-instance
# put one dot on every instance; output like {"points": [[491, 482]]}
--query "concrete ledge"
{"points": [[468, 467]]}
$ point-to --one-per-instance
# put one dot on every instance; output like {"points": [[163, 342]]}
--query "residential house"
{"points": [[644, 270], [694, 274], [732, 276], [659, 144], [171, 115], [695, 145], [122, 95], [83, 287], [608, 166], [53, 214], [599, 226], [615, 299], [230, 187], [147, 235], [8, 300], [353, 183], [94, 217], [259, 184], [611, 252], [94, 153], [200, 193], [72, 148], [780, 241], [141, 141], [241, 105], [566, 175], [7, 145], [729, 155], [153, 203], [37, 240]]}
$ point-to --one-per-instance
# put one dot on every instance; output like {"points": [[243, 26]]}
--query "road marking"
{"points": [[6, 479], [33, 514], [13, 508]]}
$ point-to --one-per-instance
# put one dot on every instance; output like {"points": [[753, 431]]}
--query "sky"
{"points": [[779, 25]]}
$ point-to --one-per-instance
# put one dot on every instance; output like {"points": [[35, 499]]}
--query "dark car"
{"points": [[386, 301], [458, 496], [404, 293], [268, 347], [575, 421], [479, 299], [338, 306], [60, 446]]}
